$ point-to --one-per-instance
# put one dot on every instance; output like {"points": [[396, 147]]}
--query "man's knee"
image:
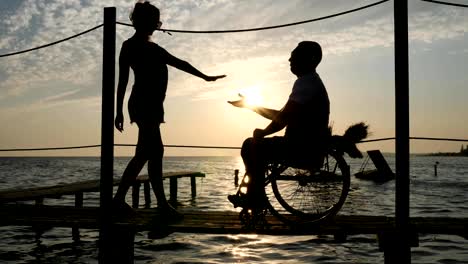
{"points": [[246, 148]]}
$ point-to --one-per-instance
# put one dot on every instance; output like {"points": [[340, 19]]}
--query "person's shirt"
{"points": [[310, 124], [149, 64]]}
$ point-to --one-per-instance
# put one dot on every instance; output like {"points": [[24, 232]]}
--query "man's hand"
{"points": [[119, 122], [259, 133], [213, 78], [240, 103]]}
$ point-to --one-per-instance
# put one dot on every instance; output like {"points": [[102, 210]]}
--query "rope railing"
{"points": [[268, 27], [445, 3], [201, 31], [52, 43], [214, 147]]}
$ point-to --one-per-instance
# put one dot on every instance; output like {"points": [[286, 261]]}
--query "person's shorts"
{"points": [[149, 144]]}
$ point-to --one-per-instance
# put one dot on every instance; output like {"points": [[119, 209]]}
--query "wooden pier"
{"points": [[219, 222], [194, 221], [42, 217]]}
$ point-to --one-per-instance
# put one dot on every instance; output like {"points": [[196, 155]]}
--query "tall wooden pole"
{"points": [[402, 202], [107, 133]]}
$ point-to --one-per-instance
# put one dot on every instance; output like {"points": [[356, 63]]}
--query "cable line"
{"points": [[56, 148], [440, 139], [375, 140], [265, 28], [445, 3], [116, 145], [215, 147], [201, 31], [416, 138], [52, 43]]}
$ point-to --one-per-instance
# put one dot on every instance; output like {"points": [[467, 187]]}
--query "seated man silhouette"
{"points": [[305, 117]]}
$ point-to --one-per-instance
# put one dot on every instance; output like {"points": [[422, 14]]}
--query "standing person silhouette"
{"points": [[149, 64]]}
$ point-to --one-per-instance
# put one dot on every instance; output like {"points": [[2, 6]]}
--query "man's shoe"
{"points": [[235, 200]]}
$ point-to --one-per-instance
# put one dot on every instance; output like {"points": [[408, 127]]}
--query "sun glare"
{"points": [[253, 96]]}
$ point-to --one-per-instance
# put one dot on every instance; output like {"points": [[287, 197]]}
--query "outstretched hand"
{"points": [[239, 103], [214, 78]]}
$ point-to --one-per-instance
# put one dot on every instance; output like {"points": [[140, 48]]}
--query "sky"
{"points": [[52, 97]]}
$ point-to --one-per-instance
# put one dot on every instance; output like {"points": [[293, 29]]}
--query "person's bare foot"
{"points": [[122, 208], [170, 212]]}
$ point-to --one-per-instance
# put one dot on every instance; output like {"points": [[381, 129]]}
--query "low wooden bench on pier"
{"points": [[173, 186], [38, 194]]}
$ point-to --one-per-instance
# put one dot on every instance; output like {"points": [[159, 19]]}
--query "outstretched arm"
{"points": [[263, 111], [188, 68], [124, 70]]}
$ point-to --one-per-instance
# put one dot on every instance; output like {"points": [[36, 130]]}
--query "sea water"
{"points": [[442, 195]]}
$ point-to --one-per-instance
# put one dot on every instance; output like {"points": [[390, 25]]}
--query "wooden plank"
{"points": [[72, 188], [219, 222], [50, 191], [176, 174]]}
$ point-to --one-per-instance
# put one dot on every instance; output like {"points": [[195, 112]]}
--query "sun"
{"points": [[252, 95]]}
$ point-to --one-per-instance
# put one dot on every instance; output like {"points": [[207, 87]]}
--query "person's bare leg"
{"points": [[135, 165], [155, 175], [155, 170], [131, 172]]}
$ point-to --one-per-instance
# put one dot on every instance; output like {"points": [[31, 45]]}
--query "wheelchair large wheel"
{"points": [[309, 196]]}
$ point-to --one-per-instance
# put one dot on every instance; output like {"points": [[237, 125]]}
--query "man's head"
{"points": [[305, 57], [145, 17]]}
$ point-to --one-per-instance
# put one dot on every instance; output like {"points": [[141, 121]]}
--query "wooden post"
{"points": [[236, 177], [78, 204], [173, 189], [193, 184], [147, 192], [401, 244], [136, 194], [38, 229], [107, 135]]}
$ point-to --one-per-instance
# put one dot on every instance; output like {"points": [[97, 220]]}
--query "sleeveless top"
{"points": [[149, 64]]}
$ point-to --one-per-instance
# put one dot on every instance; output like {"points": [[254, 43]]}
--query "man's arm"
{"points": [[280, 120], [266, 112], [263, 111]]}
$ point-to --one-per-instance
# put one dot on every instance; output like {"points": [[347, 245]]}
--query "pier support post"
{"points": [[147, 193], [193, 185], [107, 136], [136, 194], [173, 190], [402, 251], [78, 204]]}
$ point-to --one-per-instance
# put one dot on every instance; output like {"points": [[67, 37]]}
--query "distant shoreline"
{"points": [[447, 154]]}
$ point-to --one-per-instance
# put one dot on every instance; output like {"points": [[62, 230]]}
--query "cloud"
{"points": [[444, 24], [78, 62]]}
